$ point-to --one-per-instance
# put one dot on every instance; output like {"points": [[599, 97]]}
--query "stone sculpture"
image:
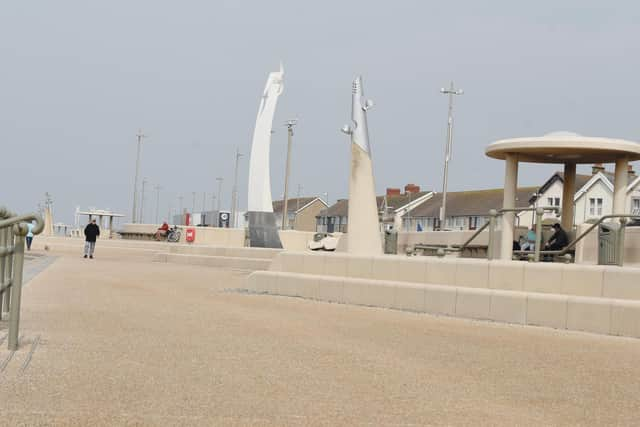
{"points": [[263, 232], [363, 236]]}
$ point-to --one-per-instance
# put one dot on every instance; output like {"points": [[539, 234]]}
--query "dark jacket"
{"points": [[558, 240], [91, 231]]}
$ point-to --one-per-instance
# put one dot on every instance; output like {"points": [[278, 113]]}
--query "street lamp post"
{"points": [[447, 155], [144, 184], [234, 191], [285, 214], [158, 188], [134, 212], [220, 180]]}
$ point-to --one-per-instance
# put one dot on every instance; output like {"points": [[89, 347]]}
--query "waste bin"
{"points": [[390, 242], [609, 244]]}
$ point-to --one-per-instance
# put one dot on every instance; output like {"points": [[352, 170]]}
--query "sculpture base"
{"points": [[263, 232]]}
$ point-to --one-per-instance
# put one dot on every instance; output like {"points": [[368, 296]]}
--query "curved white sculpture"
{"points": [[262, 227], [363, 235]]}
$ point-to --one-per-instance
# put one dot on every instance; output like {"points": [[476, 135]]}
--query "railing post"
{"points": [[492, 229], [623, 226], [2, 262], [538, 243], [19, 231]]}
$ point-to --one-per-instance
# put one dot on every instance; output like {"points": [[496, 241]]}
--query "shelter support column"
{"points": [[568, 191], [509, 202], [110, 227], [620, 185]]}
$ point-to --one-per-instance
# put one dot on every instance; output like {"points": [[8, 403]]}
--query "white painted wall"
{"points": [[597, 190]]}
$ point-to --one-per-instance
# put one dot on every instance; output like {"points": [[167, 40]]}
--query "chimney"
{"points": [[393, 191], [411, 188], [597, 167], [631, 172]]}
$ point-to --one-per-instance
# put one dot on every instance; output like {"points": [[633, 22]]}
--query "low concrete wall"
{"points": [[227, 262], [551, 278], [597, 315], [261, 253]]}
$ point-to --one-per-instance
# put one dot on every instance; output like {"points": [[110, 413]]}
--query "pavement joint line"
{"points": [[27, 360], [6, 361]]}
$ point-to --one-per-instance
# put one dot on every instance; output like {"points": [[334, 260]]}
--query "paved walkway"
{"points": [[121, 340]]}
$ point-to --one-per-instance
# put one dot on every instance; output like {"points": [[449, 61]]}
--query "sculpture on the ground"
{"points": [[363, 236], [263, 232]]}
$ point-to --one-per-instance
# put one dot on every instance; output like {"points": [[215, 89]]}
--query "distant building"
{"points": [[302, 212], [392, 207], [466, 210]]}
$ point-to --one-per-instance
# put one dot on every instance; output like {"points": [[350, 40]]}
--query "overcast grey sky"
{"points": [[78, 78]]}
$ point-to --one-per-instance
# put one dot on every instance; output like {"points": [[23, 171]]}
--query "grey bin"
{"points": [[390, 242], [608, 244]]}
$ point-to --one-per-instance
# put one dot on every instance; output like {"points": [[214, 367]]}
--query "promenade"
{"points": [[121, 340]]}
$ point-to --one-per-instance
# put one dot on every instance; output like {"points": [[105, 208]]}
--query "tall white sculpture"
{"points": [[262, 223], [363, 236]]}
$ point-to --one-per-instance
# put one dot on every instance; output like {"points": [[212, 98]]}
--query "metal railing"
{"points": [[13, 229], [623, 218], [493, 216]]}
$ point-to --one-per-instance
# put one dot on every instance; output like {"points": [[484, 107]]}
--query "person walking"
{"points": [[29, 235], [91, 232]]}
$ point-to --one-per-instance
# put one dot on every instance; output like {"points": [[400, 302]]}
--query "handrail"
{"points": [[13, 229]]}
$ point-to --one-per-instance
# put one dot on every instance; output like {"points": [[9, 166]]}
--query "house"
{"points": [[392, 207], [593, 197], [466, 210], [302, 212]]}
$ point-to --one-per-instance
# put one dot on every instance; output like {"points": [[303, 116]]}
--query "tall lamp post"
{"points": [[134, 212], [158, 188], [285, 214], [234, 191], [144, 184], [220, 180], [447, 154]]}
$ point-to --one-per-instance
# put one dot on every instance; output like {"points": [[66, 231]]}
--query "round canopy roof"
{"points": [[565, 147]]}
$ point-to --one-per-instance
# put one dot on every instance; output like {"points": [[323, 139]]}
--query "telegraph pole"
{"points": [[158, 188], [285, 215], [220, 180], [181, 212], [134, 212], [193, 210], [234, 191], [447, 154], [144, 183]]}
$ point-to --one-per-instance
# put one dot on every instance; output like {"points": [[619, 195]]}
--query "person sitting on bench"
{"points": [[162, 231], [559, 239]]}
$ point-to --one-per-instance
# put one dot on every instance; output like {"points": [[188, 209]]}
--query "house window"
{"points": [[595, 206], [553, 201], [475, 222], [635, 206]]}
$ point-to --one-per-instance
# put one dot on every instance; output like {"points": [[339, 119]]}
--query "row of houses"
{"points": [[416, 210]]}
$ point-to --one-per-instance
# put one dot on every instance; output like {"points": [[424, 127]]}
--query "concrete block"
{"points": [[331, 288], [359, 266], [542, 277], [582, 280], [509, 307], [308, 286], [368, 292], [441, 271], [314, 263], [385, 267], [293, 262], [547, 310], [409, 297], [276, 263], [589, 314], [625, 318], [506, 275], [621, 283], [288, 284], [473, 303], [412, 269], [335, 265], [266, 282], [440, 299], [472, 273]]}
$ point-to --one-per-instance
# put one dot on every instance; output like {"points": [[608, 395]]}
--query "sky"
{"points": [[79, 78]]}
